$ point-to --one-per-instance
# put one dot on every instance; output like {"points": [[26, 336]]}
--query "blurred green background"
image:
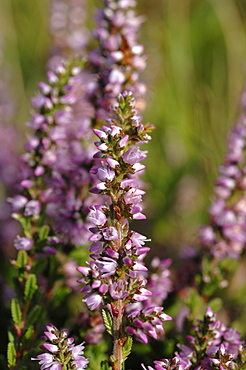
{"points": [[195, 73]]}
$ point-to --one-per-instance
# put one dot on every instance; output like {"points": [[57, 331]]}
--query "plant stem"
{"points": [[117, 349]]}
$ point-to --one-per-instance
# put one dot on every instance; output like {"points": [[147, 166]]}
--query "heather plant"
{"points": [[63, 354], [118, 58], [221, 242], [68, 30], [121, 310], [9, 153], [55, 155], [111, 280], [53, 202], [211, 346]]}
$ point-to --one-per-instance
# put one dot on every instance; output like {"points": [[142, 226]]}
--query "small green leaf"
{"points": [[108, 321], [25, 223], [215, 304], [11, 354], [44, 232], [127, 348], [194, 302], [16, 311], [22, 258], [34, 315], [30, 287], [105, 365], [11, 337], [29, 333]]}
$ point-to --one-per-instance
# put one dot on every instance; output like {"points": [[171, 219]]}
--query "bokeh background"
{"points": [[195, 74]]}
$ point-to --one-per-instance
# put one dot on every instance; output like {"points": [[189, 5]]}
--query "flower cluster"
{"points": [[226, 235], [56, 209], [92, 326], [212, 346], [63, 353], [114, 274], [55, 168], [147, 322], [159, 282], [68, 31], [119, 58]]}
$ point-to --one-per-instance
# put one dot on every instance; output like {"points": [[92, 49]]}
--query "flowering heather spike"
{"points": [[92, 325], [159, 282], [166, 364], [226, 234], [113, 279], [119, 58], [62, 351], [211, 346], [67, 27], [55, 176]]}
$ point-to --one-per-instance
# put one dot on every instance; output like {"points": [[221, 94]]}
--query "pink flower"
{"points": [[92, 300], [106, 266], [96, 216], [46, 361], [134, 155], [110, 233], [23, 243]]}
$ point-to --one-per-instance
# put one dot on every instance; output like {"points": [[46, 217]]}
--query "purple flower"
{"points": [[207, 235], [217, 344], [185, 351], [159, 282], [118, 59], [50, 336], [110, 233], [68, 31], [18, 202], [141, 336], [150, 320], [64, 352], [32, 208], [134, 155], [92, 300], [226, 234], [106, 266], [96, 247], [117, 290], [23, 243], [80, 363], [55, 170], [96, 216], [115, 278], [50, 347], [105, 173], [46, 361]]}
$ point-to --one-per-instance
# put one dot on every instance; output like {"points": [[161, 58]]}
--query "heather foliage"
{"points": [[82, 284]]}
